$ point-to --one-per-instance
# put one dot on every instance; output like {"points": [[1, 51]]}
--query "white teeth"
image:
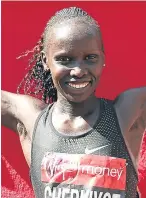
{"points": [[78, 86]]}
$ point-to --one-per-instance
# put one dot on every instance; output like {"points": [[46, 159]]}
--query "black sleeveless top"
{"points": [[94, 165]]}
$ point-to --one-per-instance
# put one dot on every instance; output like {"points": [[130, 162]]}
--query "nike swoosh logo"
{"points": [[89, 151]]}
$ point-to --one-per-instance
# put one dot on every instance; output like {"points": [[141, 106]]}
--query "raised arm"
{"points": [[130, 106], [131, 112], [16, 108], [9, 114]]}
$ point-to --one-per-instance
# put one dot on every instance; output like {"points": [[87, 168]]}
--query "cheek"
{"points": [[58, 72], [97, 71], [98, 68]]}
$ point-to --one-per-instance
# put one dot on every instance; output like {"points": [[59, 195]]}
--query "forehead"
{"points": [[74, 36]]}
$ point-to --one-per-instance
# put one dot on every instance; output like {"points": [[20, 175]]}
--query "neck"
{"points": [[72, 109]]}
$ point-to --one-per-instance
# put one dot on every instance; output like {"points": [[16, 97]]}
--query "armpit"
{"points": [[21, 129], [140, 123]]}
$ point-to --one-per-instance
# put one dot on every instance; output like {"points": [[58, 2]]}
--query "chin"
{"points": [[78, 99]]}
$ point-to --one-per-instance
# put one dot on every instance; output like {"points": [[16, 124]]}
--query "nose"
{"points": [[78, 72]]}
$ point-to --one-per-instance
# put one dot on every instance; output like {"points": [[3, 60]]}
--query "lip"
{"points": [[79, 81], [78, 90]]}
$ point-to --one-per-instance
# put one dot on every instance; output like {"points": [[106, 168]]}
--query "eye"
{"points": [[63, 59], [92, 57]]}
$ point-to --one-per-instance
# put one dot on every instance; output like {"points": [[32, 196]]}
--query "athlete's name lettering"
{"points": [[74, 193], [53, 168]]}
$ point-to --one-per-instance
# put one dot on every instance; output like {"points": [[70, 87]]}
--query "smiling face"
{"points": [[75, 57]]}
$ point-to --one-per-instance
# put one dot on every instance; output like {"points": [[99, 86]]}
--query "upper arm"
{"points": [[9, 115], [129, 106], [17, 108]]}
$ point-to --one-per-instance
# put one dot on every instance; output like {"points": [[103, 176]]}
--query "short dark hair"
{"points": [[38, 81]]}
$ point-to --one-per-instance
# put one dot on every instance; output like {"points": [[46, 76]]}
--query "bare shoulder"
{"points": [[130, 105], [17, 108]]}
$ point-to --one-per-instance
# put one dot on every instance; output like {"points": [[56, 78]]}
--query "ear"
{"points": [[44, 60]]}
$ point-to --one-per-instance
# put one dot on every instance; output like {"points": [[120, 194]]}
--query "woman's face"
{"points": [[75, 57]]}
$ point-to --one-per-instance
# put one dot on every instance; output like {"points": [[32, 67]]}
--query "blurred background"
{"points": [[123, 27]]}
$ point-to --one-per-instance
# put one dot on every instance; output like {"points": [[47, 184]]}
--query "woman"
{"points": [[78, 145]]}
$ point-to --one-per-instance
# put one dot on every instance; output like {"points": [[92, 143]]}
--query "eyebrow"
{"points": [[67, 53]]}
